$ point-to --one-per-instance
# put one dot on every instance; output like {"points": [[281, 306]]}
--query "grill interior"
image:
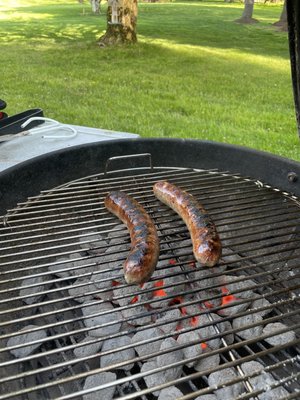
{"points": [[61, 263]]}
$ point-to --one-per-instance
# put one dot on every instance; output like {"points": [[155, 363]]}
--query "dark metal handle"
{"points": [[126, 157]]}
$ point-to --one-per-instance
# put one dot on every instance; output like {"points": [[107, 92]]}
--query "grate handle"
{"points": [[127, 157]]}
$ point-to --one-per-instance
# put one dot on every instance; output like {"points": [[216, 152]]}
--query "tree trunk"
{"points": [[247, 13], [95, 6], [121, 22], [282, 23]]}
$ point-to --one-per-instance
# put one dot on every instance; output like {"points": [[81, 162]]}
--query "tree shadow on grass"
{"points": [[213, 26], [195, 24], [59, 24]]}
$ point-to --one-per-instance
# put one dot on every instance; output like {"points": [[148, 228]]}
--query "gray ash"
{"points": [[148, 348], [118, 356], [246, 320], [93, 381], [155, 379], [26, 337], [139, 312], [170, 393], [174, 355], [193, 350], [263, 381], [282, 338], [80, 288], [87, 347], [222, 377], [209, 362], [91, 320]]}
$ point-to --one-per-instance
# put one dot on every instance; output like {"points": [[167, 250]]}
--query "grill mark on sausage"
{"points": [[144, 252], [206, 242]]}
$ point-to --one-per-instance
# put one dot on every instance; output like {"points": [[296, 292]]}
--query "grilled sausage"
{"points": [[143, 256], [206, 242]]}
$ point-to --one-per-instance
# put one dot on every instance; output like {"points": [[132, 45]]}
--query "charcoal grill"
{"points": [[61, 256], [258, 225]]}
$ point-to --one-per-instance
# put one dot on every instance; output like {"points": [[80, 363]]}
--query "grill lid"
{"points": [[190, 331], [293, 16]]}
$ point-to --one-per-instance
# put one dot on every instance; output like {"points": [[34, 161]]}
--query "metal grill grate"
{"points": [[62, 252]]}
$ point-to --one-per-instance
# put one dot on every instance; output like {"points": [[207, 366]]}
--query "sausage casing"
{"points": [[206, 242], [144, 252]]}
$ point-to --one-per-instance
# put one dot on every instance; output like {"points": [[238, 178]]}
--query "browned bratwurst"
{"points": [[143, 256], [206, 242]]}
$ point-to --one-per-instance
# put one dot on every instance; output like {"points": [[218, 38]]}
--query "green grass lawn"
{"points": [[194, 72]]}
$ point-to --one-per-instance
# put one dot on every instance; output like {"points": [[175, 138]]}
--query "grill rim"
{"points": [[73, 163], [258, 184]]}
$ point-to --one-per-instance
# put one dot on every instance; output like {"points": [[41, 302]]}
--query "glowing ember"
{"points": [[134, 300], [115, 283], [159, 292], [183, 311], [172, 261], [203, 346], [176, 300], [194, 321], [228, 298], [208, 304]]}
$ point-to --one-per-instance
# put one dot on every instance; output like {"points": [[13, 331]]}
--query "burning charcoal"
{"points": [[224, 376], [209, 285], [224, 326], [208, 331], [116, 255], [190, 351], [148, 348], [210, 303], [141, 314], [62, 269], [35, 290], [241, 286], [93, 381], [263, 382], [261, 303], [208, 362], [24, 338], [280, 339], [184, 250], [230, 299], [207, 397], [153, 379], [233, 309], [160, 281], [116, 233], [230, 258], [248, 333], [205, 276], [87, 349], [170, 393], [118, 356], [173, 356], [198, 321], [91, 242], [79, 292], [128, 294], [102, 319], [171, 315], [103, 280], [81, 266]]}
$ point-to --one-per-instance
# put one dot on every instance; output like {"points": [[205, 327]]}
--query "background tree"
{"points": [[95, 5], [121, 22], [282, 23], [246, 18]]}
